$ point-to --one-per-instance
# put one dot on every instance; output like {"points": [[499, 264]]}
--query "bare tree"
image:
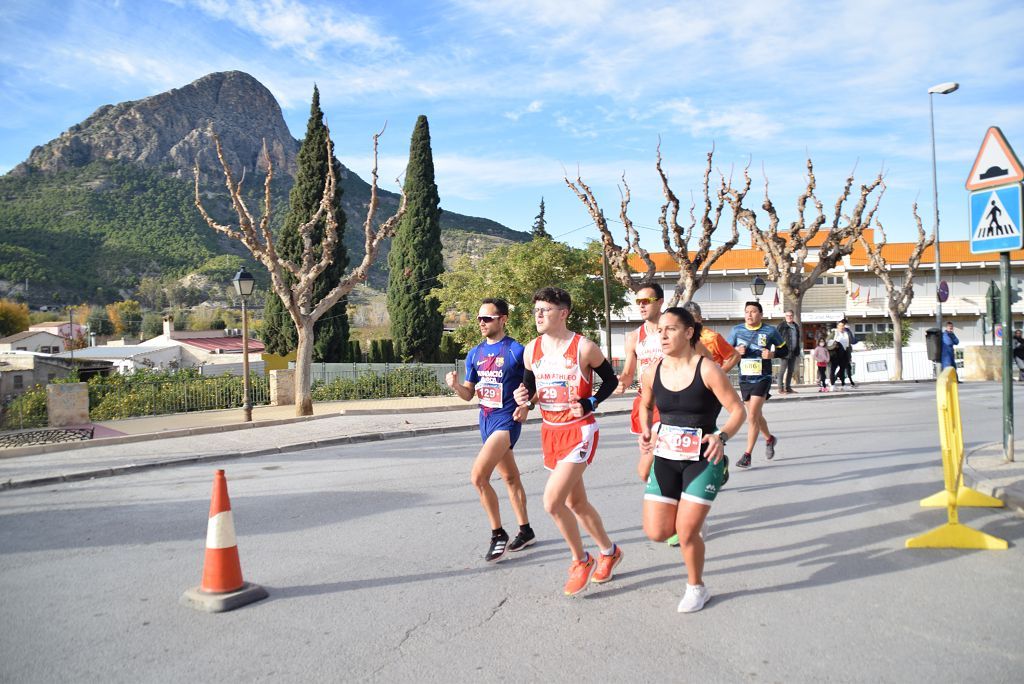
{"points": [[618, 256], [298, 298], [693, 266], [786, 253], [898, 296]]}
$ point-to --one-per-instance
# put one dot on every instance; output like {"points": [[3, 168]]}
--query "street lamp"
{"points": [[940, 89], [757, 287], [244, 285]]}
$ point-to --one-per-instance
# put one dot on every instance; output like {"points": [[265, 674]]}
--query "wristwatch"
{"points": [[722, 436]]}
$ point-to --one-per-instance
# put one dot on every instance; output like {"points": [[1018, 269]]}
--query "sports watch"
{"points": [[722, 436]]}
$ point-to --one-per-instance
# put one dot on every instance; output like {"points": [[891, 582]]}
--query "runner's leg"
{"points": [[755, 421], [509, 471], [659, 520], [493, 450], [560, 485], [587, 515], [689, 519]]}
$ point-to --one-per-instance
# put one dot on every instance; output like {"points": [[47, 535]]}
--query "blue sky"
{"points": [[519, 93]]}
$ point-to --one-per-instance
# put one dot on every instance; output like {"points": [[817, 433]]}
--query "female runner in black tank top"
{"points": [[684, 457]]}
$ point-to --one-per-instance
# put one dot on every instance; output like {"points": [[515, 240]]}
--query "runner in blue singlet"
{"points": [[757, 343], [494, 369]]}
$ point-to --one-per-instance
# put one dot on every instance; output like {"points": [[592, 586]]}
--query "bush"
{"points": [[28, 410], [149, 393], [412, 381]]}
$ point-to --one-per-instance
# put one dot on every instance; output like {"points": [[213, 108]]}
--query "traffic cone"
{"points": [[222, 587]]}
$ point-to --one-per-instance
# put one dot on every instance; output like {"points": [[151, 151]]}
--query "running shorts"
{"points": [[698, 481], [634, 417], [572, 443], [499, 420], [758, 388]]}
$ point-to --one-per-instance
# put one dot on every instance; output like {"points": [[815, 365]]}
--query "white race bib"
{"points": [[490, 395], [678, 443], [751, 367], [554, 397]]}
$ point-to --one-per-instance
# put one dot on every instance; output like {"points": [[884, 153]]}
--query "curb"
{"points": [[1012, 494], [268, 451]]}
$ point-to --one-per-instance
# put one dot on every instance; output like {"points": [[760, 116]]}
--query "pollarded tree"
{"points": [[693, 265], [898, 295], [331, 331], [315, 258], [787, 253], [416, 261]]}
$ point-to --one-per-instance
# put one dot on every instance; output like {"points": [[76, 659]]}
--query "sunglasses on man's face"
{"points": [[646, 300], [487, 319]]}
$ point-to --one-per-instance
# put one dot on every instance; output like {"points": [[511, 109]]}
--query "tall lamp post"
{"points": [[940, 89], [244, 285], [757, 287]]}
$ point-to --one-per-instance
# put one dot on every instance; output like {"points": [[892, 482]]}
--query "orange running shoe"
{"points": [[579, 575], [605, 565]]}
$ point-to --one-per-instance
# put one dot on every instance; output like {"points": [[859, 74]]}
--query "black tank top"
{"points": [[693, 406]]}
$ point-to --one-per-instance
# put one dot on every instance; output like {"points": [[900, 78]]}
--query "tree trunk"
{"points": [[897, 343], [303, 366]]}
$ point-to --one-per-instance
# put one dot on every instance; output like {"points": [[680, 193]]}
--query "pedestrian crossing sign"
{"points": [[996, 219]]}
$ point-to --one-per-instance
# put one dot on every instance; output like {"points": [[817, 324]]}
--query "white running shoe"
{"points": [[694, 599]]}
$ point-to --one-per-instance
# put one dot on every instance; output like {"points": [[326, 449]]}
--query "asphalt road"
{"points": [[372, 557]]}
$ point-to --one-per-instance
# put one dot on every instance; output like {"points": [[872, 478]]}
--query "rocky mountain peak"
{"points": [[173, 129]]}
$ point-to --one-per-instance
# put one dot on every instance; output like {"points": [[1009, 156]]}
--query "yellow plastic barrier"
{"points": [[953, 535]]}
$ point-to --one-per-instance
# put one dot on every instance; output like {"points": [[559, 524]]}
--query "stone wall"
{"points": [[67, 404], [282, 387]]}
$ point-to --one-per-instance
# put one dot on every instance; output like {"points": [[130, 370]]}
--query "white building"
{"points": [[851, 290]]}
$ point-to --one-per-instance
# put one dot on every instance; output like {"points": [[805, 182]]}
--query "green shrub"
{"points": [[414, 381], [28, 410]]}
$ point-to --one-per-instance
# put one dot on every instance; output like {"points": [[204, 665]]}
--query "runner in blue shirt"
{"points": [[758, 344], [494, 368]]}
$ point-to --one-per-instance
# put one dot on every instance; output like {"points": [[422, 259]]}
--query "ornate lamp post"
{"points": [[244, 285], [757, 287]]}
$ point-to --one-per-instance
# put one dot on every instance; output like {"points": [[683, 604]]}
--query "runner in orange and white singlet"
{"points": [[643, 347], [560, 366]]}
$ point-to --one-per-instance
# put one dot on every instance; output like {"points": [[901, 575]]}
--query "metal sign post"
{"points": [[996, 209]]}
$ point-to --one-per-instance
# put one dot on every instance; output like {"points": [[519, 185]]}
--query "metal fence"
{"points": [[342, 381], [119, 399]]}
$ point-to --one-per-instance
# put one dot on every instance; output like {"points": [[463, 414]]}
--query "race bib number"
{"points": [[554, 397], [490, 396], [750, 367], [678, 443]]}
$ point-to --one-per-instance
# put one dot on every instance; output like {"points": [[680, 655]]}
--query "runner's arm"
{"points": [[629, 366], [595, 361], [716, 381], [728, 352], [645, 440]]}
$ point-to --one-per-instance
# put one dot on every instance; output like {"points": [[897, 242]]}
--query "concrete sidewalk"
{"points": [[986, 470], [135, 444]]}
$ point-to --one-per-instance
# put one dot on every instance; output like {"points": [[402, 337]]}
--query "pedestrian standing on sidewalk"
{"points": [[1018, 353], [687, 452], [790, 331], [949, 342], [842, 355], [821, 359], [494, 368]]}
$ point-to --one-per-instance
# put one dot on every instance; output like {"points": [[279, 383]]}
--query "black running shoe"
{"points": [[744, 461], [769, 447], [499, 544], [725, 471], [522, 540]]}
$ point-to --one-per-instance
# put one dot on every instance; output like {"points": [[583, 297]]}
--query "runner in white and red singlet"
{"points": [[643, 348], [560, 366]]}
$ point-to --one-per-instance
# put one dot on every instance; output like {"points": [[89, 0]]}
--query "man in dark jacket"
{"points": [[1018, 353], [790, 332], [842, 355]]}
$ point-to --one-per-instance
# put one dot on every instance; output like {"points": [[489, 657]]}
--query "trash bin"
{"points": [[933, 344]]}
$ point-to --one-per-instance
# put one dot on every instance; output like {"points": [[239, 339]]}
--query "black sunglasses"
{"points": [[487, 319]]}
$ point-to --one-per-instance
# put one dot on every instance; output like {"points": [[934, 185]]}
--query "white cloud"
{"points": [[302, 27], [531, 108]]}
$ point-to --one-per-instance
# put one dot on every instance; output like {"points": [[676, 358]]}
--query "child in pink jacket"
{"points": [[821, 357]]}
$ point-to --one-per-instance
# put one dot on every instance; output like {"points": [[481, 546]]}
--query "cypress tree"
{"points": [[331, 331], [540, 224], [415, 261]]}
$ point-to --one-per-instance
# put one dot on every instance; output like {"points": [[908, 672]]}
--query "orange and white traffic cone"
{"points": [[222, 586]]}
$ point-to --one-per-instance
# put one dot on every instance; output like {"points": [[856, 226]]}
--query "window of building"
{"points": [[19, 382], [829, 280]]}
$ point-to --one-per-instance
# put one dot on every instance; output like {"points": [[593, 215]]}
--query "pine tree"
{"points": [[331, 331], [415, 261], [539, 224]]}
